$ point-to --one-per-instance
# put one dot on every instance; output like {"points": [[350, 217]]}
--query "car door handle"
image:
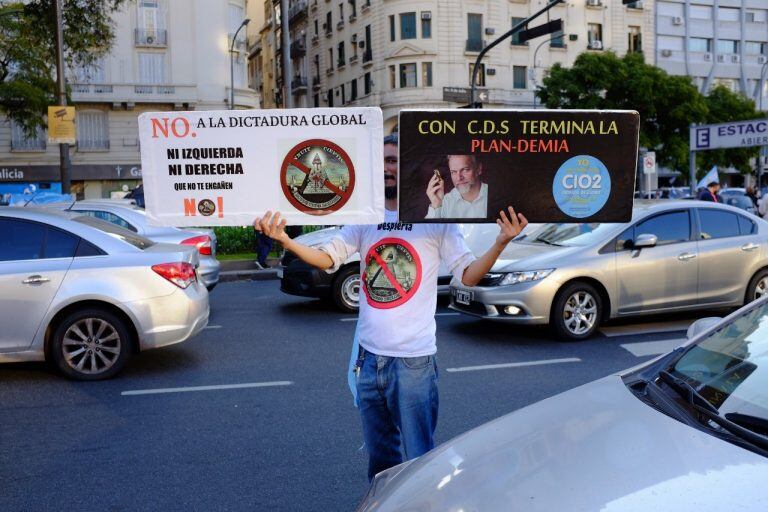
{"points": [[686, 256], [749, 247], [36, 279]]}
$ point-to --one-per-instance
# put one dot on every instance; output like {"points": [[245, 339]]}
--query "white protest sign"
{"points": [[225, 168]]}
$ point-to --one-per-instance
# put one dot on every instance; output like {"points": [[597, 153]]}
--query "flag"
{"points": [[709, 178]]}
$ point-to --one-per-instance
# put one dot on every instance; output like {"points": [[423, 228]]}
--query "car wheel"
{"points": [[758, 287], [90, 344], [346, 289], [577, 312]]}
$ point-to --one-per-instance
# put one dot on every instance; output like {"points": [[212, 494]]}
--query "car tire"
{"points": [[91, 344], [758, 286], [576, 312], [346, 289]]}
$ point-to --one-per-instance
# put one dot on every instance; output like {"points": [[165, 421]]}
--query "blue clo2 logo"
{"points": [[582, 186]]}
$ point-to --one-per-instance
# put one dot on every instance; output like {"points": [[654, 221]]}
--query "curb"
{"points": [[247, 275]]}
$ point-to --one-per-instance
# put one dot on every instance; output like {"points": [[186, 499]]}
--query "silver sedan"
{"points": [[133, 218], [85, 294], [672, 256]]}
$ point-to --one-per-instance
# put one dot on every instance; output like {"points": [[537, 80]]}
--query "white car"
{"points": [[84, 294], [686, 432]]}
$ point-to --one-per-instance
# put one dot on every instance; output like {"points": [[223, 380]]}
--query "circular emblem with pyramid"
{"points": [[392, 273], [317, 177]]}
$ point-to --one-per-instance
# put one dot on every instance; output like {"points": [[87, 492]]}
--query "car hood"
{"points": [[531, 256], [596, 447], [318, 237]]}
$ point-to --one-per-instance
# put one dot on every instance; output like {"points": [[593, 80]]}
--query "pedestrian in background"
{"points": [[710, 193], [263, 247]]}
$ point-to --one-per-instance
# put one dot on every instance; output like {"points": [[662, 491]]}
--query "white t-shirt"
{"points": [[456, 207], [399, 265]]}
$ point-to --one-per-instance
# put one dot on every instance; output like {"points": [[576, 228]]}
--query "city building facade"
{"points": [[167, 55]]}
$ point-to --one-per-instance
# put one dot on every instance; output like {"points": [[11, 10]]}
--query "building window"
{"points": [[755, 16], [557, 41], [330, 58], [328, 22], [353, 6], [342, 58], [754, 48], [392, 77], [341, 11], [699, 44], [92, 130], [595, 35], [426, 24], [635, 40], [93, 73], [426, 74], [474, 32], [353, 90], [330, 97], [727, 46], [368, 54], [727, 14], [407, 75], [519, 77], [316, 100], [700, 12], [317, 28], [151, 18], [408, 25], [392, 28], [343, 94], [367, 84], [20, 141], [672, 43], [516, 36], [480, 75]]}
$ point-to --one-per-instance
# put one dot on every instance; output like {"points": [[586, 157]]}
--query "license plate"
{"points": [[463, 297], [279, 272]]}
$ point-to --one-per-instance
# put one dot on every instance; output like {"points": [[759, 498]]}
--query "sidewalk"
{"points": [[245, 270]]}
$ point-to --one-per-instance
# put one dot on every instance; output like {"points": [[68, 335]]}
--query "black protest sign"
{"points": [[550, 165]]}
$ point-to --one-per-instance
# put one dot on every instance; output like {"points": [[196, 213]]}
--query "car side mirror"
{"points": [[701, 325], [645, 240]]}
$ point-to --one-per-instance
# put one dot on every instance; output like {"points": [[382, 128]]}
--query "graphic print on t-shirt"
{"points": [[392, 273]]}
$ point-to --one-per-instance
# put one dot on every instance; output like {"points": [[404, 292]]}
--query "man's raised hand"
{"points": [[272, 226], [510, 226]]}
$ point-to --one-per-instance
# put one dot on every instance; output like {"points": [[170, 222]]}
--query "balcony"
{"points": [[299, 85], [328, 30], [474, 45], [313, 5], [297, 11], [366, 6], [92, 89], [341, 63], [329, 71], [340, 25], [368, 56], [352, 17], [353, 58], [315, 83], [93, 145], [298, 48], [130, 94], [152, 38], [315, 40]]}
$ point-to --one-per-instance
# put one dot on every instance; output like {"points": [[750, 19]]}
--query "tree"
{"points": [[28, 51], [726, 106], [667, 104]]}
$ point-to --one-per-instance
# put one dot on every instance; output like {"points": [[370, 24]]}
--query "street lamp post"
{"points": [[245, 22]]}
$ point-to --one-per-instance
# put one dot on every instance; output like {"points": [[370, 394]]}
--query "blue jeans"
{"points": [[398, 406]]}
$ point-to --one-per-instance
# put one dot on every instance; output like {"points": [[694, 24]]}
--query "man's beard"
{"points": [[390, 192], [464, 188]]}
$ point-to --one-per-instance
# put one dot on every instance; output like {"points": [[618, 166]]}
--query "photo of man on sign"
{"points": [[469, 197]]}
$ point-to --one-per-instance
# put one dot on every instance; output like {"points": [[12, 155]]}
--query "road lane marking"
{"points": [[652, 348], [207, 388], [514, 365], [354, 319], [212, 327], [650, 328]]}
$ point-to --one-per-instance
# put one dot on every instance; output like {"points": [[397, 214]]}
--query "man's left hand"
{"points": [[510, 226]]}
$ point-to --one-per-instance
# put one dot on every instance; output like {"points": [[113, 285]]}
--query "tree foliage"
{"points": [[28, 50], [667, 104]]}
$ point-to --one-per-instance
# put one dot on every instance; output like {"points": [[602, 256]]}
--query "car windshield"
{"points": [[115, 231], [729, 368], [578, 235]]}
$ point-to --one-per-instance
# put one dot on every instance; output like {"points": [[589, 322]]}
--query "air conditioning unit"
{"points": [[361, 44], [150, 40], [707, 56], [677, 20], [490, 71], [594, 3], [721, 58], [666, 53], [735, 59], [426, 15], [596, 45], [354, 38], [762, 59], [490, 31]]}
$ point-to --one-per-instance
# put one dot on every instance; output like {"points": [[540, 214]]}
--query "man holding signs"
{"points": [[396, 368]]}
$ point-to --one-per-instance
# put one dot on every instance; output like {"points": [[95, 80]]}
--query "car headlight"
{"points": [[379, 482], [524, 277]]}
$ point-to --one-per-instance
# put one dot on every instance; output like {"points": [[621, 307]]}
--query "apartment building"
{"points": [[419, 53], [167, 55], [716, 42]]}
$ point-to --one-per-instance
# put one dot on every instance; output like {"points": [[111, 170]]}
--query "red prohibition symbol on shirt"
{"points": [[392, 273], [317, 177]]}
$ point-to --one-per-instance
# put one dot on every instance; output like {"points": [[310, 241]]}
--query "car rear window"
{"points": [[116, 231], [718, 224]]}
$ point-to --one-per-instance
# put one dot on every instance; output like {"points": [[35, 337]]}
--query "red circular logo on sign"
{"points": [[317, 177], [392, 273]]}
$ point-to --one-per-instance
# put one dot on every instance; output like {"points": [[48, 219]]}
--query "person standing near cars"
{"points": [[711, 193], [396, 368]]}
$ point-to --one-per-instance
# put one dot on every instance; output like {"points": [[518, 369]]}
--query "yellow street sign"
{"points": [[61, 125]]}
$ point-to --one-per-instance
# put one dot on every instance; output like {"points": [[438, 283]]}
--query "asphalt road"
{"points": [[289, 438]]}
